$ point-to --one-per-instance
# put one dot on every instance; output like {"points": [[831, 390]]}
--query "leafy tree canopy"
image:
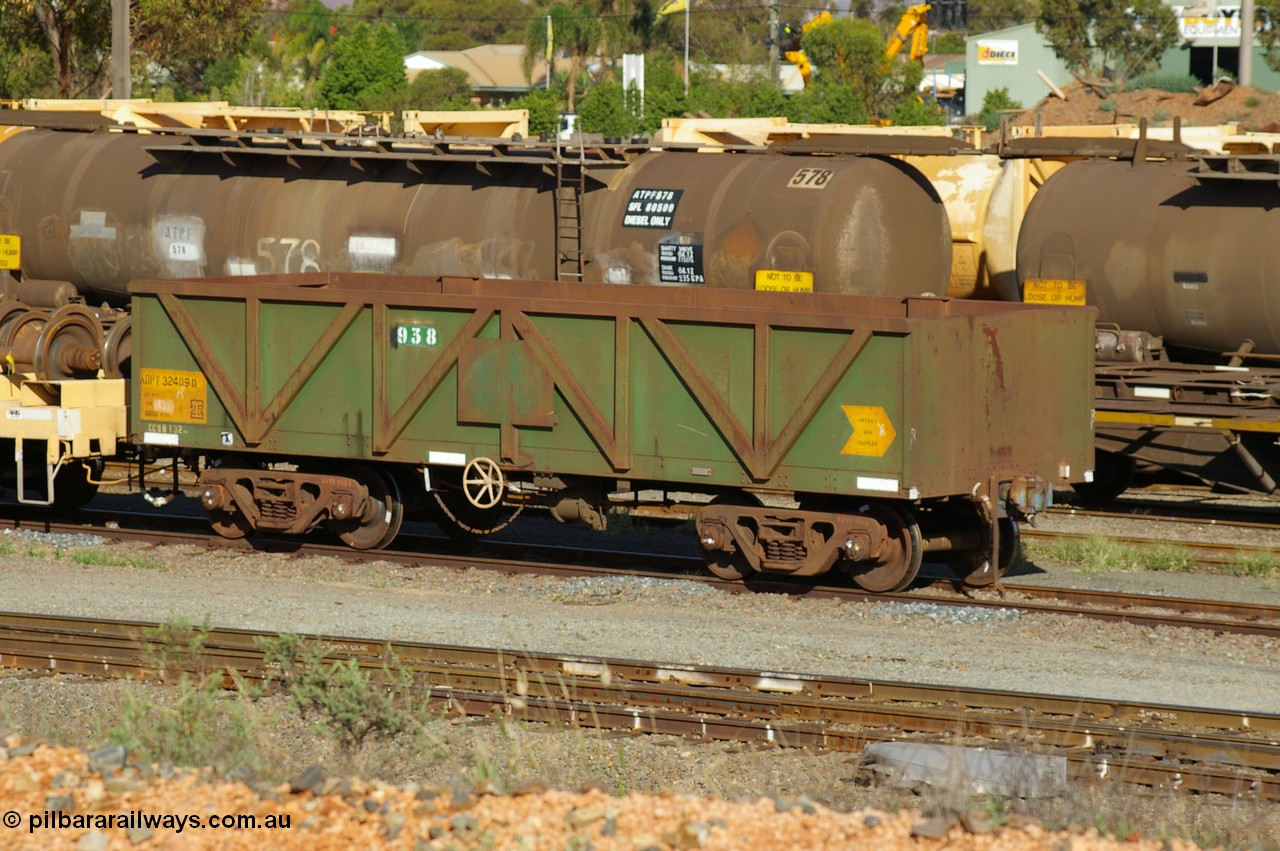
{"points": [[1125, 37], [447, 88], [366, 70]]}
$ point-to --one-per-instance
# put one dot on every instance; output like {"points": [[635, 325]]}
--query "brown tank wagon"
{"points": [[1179, 249], [100, 209], [808, 432], [1175, 250]]}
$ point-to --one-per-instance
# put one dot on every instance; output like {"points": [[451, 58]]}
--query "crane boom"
{"points": [[912, 28]]}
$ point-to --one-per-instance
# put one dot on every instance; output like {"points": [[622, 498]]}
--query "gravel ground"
{"points": [[642, 619], [88, 792]]}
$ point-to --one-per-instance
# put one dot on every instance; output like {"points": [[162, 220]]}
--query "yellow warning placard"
{"points": [[173, 396], [872, 431], [10, 251], [779, 281], [1054, 291]]}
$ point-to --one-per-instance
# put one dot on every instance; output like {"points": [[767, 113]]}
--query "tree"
{"points": [[917, 111], [849, 52], [26, 68], [178, 38], [827, 103], [1125, 37], [727, 32], [985, 15], [544, 110], [366, 70], [575, 30], [403, 16], [714, 95], [446, 88], [281, 63], [185, 37], [1268, 14], [459, 24], [77, 34], [604, 109]]}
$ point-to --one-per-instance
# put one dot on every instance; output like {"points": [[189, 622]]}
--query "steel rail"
{"points": [[1208, 554], [1139, 609], [782, 708]]}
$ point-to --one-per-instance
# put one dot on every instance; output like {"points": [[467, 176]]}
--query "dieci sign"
{"points": [[997, 51]]}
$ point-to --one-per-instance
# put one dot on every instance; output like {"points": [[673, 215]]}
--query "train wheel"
{"points": [[382, 522], [1112, 476], [76, 482], [974, 568], [735, 565], [899, 563], [117, 350], [230, 524]]}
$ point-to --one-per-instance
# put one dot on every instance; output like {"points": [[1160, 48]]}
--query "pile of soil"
{"points": [[1254, 109]]}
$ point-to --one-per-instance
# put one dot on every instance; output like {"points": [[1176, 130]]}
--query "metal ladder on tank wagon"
{"points": [[571, 185]]}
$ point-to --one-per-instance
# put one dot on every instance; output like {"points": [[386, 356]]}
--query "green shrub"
{"points": [[349, 704], [544, 111], [202, 724], [995, 102], [1165, 82], [914, 111]]}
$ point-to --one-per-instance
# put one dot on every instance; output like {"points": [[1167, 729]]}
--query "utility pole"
{"points": [[772, 41], [686, 47], [1246, 43], [121, 78]]}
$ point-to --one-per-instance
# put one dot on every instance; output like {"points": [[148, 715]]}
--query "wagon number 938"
{"points": [[810, 178], [415, 335]]}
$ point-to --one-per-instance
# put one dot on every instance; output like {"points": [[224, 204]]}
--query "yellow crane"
{"points": [[913, 27], [791, 43]]}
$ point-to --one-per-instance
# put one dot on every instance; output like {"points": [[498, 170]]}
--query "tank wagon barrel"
{"points": [[1175, 249], [1180, 249], [100, 209], [827, 431]]}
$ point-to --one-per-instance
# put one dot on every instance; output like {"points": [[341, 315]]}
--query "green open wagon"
{"points": [[805, 431]]}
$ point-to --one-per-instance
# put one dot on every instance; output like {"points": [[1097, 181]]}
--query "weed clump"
{"points": [[202, 724], [353, 705], [1100, 554]]}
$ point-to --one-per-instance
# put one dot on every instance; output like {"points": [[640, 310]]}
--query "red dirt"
{"points": [[1254, 109]]}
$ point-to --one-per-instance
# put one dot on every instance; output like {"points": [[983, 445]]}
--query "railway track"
{"points": [[576, 562], [1194, 749]]}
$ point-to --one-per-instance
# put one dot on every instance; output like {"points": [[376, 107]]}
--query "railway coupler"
{"points": [[1022, 497], [292, 503]]}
